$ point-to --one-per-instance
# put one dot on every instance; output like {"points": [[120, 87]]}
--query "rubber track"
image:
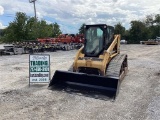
{"points": [[114, 67]]}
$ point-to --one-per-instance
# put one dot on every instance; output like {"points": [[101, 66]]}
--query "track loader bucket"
{"points": [[99, 84]]}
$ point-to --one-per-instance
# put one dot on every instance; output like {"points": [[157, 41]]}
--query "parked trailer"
{"points": [[64, 42], [151, 41]]}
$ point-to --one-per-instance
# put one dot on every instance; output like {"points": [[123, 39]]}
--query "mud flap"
{"points": [[104, 85]]}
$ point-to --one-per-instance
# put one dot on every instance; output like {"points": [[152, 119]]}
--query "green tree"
{"points": [[127, 35], [56, 30], [119, 29], [10, 35], [31, 29], [16, 31], [149, 20], [138, 32], [152, 23], [157, 19], [157, 27], [2, 32], [44, 30], [81, 29]]}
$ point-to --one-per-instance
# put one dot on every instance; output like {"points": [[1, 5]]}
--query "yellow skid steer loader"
{"points": [[98, 65]]}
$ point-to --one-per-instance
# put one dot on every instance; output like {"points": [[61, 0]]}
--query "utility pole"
{"points": [[36, 29], [33, 1]]}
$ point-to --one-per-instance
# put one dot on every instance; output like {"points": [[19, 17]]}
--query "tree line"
{"points": [[149, 28], [25, 28]]}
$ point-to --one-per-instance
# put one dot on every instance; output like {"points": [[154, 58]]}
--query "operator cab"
{"points": [[97, 38]]}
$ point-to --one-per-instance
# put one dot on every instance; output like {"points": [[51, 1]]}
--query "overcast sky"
{"points": [[70, 14]]}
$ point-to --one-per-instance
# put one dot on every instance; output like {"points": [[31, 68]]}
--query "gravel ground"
{"points": [[138, 99]]}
